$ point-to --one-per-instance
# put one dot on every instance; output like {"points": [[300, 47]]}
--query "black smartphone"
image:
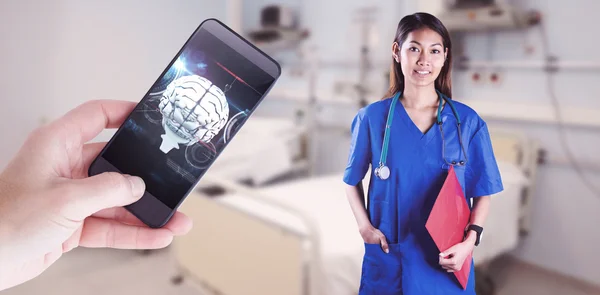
{"points": [[186, 119]]}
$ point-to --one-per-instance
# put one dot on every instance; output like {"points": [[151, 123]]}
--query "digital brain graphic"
{"points": [[193, 110]]}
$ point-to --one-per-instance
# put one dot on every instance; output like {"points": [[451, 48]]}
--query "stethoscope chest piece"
{"points": [[383, 172]]}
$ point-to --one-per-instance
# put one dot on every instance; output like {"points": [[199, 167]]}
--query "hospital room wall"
{"points": [[564, 211], [22, 54], [58, 54]]}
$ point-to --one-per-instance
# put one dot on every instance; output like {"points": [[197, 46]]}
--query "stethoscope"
{"points": [[383, 172]]}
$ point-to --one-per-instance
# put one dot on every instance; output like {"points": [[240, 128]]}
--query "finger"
{"points": [[446, 261], [450, 262], [449, 251], [89, 153], [106, 233], [384, 244], [453, 261], [87, 120], [179, 224], [450, 270], [449, 267], [119, 214], [73, 241], [87, 196]]}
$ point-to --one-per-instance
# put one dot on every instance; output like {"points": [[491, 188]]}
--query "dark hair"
{"points": [[415, 22]]}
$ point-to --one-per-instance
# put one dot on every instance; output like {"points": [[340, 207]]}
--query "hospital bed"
{"points": [[262, 151], [280, 138], [300, 237], [323, 115]]}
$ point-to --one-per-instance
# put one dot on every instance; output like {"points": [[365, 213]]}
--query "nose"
{"points": [[424, 59]]}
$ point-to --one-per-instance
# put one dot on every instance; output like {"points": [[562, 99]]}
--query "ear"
{"points": [[395, 52]]}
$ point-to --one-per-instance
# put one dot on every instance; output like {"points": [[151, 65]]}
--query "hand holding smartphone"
{"points": [[188, 116]]}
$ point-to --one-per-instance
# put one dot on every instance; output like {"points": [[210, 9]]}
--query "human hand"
{"points": [[371, 235], [49, 205], [453, 259]]}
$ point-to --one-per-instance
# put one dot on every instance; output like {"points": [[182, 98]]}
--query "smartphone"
{"points": [[187, 118]]}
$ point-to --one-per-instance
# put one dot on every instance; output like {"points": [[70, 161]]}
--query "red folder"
{"points": [[448, 219]]}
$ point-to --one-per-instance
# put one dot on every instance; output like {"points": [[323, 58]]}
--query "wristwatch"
{"points": [[477, 229]]}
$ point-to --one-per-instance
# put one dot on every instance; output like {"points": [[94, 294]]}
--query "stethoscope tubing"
{"points": [[383, 171]]}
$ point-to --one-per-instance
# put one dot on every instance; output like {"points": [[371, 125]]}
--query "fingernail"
{"points": [[137, 185]]}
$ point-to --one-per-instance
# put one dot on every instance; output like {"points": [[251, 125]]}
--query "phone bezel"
{"points": [[150, 209]]}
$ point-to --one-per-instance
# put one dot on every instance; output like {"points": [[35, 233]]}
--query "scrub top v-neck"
{"points": [[400, 205]]}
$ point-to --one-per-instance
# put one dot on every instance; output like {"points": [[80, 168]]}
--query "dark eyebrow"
{"points": [[421, 45]]}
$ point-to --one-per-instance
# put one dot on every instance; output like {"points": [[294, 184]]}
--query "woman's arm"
{"points": [[356, 197], [370, 234], [479, 213], [452, 259]]}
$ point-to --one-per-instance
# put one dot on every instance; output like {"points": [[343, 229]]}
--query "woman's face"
{"points": [[422, 57]]}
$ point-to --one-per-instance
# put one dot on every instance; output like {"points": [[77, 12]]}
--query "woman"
{"points": [[400, 256]]}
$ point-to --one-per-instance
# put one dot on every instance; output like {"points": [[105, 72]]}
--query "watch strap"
{"points": [[477, 229]]}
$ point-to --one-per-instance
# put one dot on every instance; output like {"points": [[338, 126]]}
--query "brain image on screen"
{"points": [[193, 110]]}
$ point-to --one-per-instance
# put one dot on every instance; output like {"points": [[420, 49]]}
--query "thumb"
{"points": [[110, 189], [384, 244], [448, 252]]}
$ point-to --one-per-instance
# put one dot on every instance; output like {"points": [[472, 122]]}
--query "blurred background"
{"points": [[282, 225]]}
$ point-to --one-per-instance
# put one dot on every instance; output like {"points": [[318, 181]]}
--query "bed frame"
{"points": [[515, 147], [275, 260]]}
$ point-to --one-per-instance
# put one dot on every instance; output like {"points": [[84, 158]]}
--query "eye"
{"points": [[436, 51], [414, 49]]}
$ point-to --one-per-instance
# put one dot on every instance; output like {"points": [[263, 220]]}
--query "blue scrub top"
{"points": [[399, 206]]}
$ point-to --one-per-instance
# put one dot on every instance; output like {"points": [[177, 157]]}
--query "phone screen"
{"points": [[189, 115]]}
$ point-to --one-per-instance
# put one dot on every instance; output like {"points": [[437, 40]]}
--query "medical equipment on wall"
{"points": [[367, 18], [366, 30], [279, 30], [479, 15], [383, 172]]}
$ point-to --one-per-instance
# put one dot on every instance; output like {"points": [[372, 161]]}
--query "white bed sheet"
{"points": [[342, 248], [501, 229], [263, 149]]}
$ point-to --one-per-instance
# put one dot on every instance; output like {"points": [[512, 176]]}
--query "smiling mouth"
{"points": [[422, 73]]}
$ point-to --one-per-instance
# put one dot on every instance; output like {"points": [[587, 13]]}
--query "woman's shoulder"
{"points": [[376, 108], [468, 115]]}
